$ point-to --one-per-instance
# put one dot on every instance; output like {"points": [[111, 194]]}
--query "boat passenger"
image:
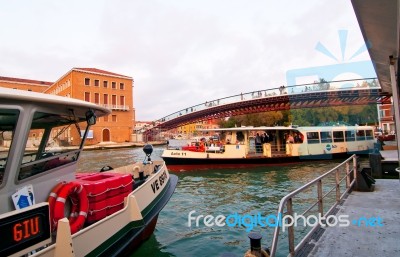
{"points": [[290, 139], [201, 147], [262, 138], [297, 138], [266, 138], [258, 143]]}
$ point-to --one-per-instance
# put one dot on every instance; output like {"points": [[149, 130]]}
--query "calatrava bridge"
{"points": [[337, 93]]}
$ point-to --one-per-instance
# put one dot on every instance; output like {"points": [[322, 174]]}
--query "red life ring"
{"points": [[52, 200], [74, 213], [77, 194]]}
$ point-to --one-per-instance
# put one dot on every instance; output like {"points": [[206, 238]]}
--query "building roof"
{"points": [[26, 81], [144, 122], [102, 72]]}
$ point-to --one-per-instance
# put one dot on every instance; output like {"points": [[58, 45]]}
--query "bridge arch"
{"points": [[365, 91]]}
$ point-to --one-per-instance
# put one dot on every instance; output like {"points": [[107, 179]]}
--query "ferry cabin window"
{"points": [[8, 122], [350, 135], [326, 137], [338, 136], [313, 137], [240, 136], [369, 134], [360, 135], [52, 142]]}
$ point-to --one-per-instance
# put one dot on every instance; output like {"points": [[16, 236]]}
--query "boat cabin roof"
{"points": [[54, 100], [41, 137]]}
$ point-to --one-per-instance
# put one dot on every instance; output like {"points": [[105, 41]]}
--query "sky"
{"points": [[179, 52]]}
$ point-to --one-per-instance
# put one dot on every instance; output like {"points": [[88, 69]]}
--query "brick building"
{"points": [[108, 89], [386, 119], [192, 129], [24, 84]]}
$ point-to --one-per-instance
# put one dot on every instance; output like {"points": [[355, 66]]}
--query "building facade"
{"points": [[194, 129], [386, 118], [111, 90]]}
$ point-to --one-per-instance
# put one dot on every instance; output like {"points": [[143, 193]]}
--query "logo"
{"points": [[345, 69], [328, 147], [251, 221]]}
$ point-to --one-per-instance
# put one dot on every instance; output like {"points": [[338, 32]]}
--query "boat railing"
{"points": [[343, 175]]}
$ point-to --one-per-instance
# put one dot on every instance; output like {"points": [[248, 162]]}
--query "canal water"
{"points": [[213, 192]]}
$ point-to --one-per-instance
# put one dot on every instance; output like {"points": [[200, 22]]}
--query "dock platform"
{"points": [[390, 155], [364, 240]]}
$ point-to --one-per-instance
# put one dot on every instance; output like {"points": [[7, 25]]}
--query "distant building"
{"points": [[386, 119], [104, 88], [141, 126], [193, 129], [211, 124], [24, 84], [189, 130]]}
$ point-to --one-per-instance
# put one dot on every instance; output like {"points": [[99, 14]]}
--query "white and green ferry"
{"points": [[247, 146]]}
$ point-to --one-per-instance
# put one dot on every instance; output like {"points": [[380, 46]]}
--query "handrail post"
{"points": [[337, 185], [347, 175], [320, 198], [291, 228], [355, 170]]}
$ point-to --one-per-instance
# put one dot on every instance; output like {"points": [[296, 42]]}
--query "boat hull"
{"points": [[185, 164], [122, 232], [134, 235]]}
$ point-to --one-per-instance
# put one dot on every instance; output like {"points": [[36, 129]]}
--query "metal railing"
{"points": [[287, 201], [331, 86], [116, 107]]}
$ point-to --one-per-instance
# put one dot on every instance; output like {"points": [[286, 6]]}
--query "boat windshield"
{"points": [[53, 141], [8, 122]]}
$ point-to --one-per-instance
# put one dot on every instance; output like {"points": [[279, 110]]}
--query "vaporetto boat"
{"points": [[47, 209], [243, 146]]}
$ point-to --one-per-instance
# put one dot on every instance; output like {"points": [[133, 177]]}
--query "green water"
{"points": [[214, 192]]}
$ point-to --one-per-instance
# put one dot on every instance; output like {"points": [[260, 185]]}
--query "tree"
{"points": [[359, 114]]}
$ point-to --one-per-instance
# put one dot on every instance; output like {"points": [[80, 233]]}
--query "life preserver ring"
{"points": [[52, 200], [80, 205], [74, 212]]}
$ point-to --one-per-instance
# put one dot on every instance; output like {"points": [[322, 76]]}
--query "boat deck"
{"points": [[363, 240]]}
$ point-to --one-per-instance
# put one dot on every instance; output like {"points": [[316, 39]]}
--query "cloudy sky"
{"points": [[179, 52]]}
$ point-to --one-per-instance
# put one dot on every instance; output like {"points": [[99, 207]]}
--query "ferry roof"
{"points": [[28, 96], [262, 128]]}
